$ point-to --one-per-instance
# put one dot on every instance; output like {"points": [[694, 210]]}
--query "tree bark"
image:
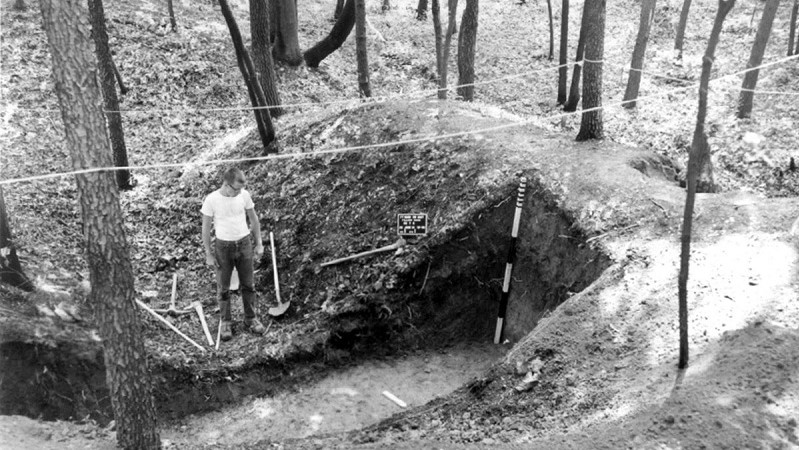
{"points": [[700, 155], [122, 88], [451, 25], [563, 70], [746, 98], [171, 7], [591, 124], [286, 40], [574, 89], [10, 270], [442, 82], [361, 52], [678, 41], [110, 99], [256, 94], [634, 80], [551, 32], [792, 28], [341, 29], [467, 41], [421, 10], [111, 271], [262, 55]]}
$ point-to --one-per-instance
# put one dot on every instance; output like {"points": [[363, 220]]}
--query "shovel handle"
{"points": [[174, 291], [274, 266]]}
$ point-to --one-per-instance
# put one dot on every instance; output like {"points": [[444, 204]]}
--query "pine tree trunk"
{"points": [[591, 126], [442, 82], [257, 98], [467, 41], [122, 88], [700, 155], [339, 8], [286, 43], [746, 98], [574, 89], [10, 269], [172, 21], [341, 29], [678, 41], [361, 52], [551, 32], [111, 272], [634, 80], [442, 79], [421, 10], [262, 55], [792, 29], [110, 99], [563, 70]]}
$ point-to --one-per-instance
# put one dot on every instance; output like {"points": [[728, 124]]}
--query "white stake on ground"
{"points": [[394, 399]]}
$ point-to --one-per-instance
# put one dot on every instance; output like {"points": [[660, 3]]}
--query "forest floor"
{"points": [[606, 378]]}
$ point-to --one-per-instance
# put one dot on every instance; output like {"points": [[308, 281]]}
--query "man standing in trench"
{"points": [[228, 209]]}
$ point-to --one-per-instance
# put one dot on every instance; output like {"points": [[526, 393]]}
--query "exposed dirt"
{"points": [[603, 365]]}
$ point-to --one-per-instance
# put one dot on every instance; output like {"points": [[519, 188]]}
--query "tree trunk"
{"points": [[591, 126], [551, 32], [421, 10], [792, 28], [257, 98], [563, 70], [262, 55], [10, 269], [110, 99], [171, 7], [634, 80], [574, 90], [442, 79], [122, 88], [678, 41], [339, 8], [700, 155], [341, 29], [361, 52], [746, 98], [286, 41], [442, 82], [111, 272], [467, 40]]}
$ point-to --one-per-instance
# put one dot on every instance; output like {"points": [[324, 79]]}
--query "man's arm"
{"points": [[255, 224], [209, 251]]}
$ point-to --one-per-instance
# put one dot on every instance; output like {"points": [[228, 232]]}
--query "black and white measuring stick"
{"points": [[503, 302]]}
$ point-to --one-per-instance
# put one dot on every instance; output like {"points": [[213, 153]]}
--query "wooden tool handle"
{"points": [[274, 266], [174, 290], [166, 322]]}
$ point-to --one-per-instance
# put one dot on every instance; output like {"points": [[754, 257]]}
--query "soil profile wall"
{"points": [[553, 262]]}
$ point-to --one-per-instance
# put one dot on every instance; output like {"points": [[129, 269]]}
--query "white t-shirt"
{"points": [[230, 218]]}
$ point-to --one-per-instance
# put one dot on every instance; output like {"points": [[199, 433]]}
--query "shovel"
{"points": [[281, 307]]}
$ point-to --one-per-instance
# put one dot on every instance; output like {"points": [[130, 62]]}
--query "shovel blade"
{"points": [[279, 310]]}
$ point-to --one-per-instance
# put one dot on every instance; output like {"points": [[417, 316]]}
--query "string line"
{"points": [[382, 144]]}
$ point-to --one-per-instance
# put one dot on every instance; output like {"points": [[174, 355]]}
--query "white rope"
{"points": [[383, 144]]}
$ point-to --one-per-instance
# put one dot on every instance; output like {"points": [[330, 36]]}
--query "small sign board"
{"points": [[413, 224]]}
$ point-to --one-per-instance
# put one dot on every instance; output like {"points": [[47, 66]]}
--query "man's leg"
{"points": [[244, 265], [224, 269]]}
